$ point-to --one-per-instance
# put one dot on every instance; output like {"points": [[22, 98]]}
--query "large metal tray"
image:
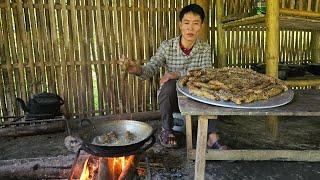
{"points": [[275, 101]]}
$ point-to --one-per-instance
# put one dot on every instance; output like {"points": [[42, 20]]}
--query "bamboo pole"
{"points": [[315, 46], [128, 49], [117, 50], [100, 58], [272, 54], [34, 48], [113, 57], [25, 33], [86, 92], [8, 73], [72, 68], [136, 53], [221, 35], [272, 44], [4, 57], [65, 55], [153, 47], [228, 49], [40, 36], [302, 13], [292, 4], [55, 47], [49, 56], [120, 50], [205, 5], [105, 18], [9, 76]]}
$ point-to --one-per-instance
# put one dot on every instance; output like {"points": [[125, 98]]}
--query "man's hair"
{"points": [[195, 8]]}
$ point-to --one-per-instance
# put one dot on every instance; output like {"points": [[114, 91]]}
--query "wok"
{"points": [[142, 134]]}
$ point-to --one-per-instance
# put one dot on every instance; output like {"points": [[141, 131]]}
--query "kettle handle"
{"points": [[22, 104]]}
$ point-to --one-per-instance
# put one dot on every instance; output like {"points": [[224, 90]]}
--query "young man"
{"points": [[177, 55]]}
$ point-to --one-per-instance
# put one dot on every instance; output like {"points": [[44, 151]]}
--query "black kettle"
{"points": [[42, 106]]}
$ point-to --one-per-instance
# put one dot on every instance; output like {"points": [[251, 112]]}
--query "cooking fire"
{"points": [[109, 168]]}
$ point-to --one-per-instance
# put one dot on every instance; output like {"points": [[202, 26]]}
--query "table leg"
{"points": [[188, 134], [201, 148], [272, 128]]}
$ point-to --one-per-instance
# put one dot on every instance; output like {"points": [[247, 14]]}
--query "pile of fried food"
{"points": [[238, 85], [113, 138]]}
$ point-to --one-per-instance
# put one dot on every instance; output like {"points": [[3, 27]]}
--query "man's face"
{"points": [[190, 26]]}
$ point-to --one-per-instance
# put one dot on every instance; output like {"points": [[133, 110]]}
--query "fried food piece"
{"points": [[129, 137], [183, 81], [110, 137]]}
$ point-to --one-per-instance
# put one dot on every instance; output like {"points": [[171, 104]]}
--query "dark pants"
{"points": [[168, 101]]}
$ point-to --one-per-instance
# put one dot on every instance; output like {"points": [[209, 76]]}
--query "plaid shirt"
{"points": [[170, 56]]}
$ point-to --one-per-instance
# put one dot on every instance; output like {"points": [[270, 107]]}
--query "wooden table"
{"points": [[305, 103]]}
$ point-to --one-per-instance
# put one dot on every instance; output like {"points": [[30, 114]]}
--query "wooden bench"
{"points": [[305, 103]]}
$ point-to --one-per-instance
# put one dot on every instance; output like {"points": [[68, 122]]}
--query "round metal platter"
{"points": [[276, 101]]}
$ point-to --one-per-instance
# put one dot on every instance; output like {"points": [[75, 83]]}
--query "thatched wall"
{"points": [[71, 47]]}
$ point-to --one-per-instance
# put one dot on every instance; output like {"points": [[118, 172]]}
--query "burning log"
{"points": [[119, 168], [128, 169]]}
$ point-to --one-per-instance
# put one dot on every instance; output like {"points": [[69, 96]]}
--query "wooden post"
{"points": [[205, 5], [221, 61], [272, 55], [315, 46], [201, 148], [189, 134]]}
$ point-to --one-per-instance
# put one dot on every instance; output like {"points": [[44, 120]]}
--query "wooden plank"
{"points": [[261, 155], [300, 106], [200, 162]]}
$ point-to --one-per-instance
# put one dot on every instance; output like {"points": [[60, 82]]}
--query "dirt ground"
{"points": [[236, 132]]}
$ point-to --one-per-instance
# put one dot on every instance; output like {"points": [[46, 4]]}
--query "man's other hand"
{"points": [[167, 76]]}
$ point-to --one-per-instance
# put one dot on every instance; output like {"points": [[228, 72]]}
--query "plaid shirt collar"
{"points": [[194, 48]]}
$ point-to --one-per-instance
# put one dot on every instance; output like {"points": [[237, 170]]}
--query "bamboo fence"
{"points": [[71, 47]]}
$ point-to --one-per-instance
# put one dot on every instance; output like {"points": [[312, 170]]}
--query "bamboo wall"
{"points": [[71, 47]]}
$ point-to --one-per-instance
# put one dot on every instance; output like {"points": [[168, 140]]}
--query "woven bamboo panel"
{"points": [[71, 47]]}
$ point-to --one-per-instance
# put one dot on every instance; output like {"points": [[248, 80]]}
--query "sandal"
{"points": [[218, 146], [168, 139]]}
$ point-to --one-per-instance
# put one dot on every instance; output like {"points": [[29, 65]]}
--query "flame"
{"points": [[119, 161], [116, 166], [85, 172]]}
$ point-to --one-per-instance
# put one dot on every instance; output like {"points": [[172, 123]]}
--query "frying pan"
{"points": [[142, 132]]}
